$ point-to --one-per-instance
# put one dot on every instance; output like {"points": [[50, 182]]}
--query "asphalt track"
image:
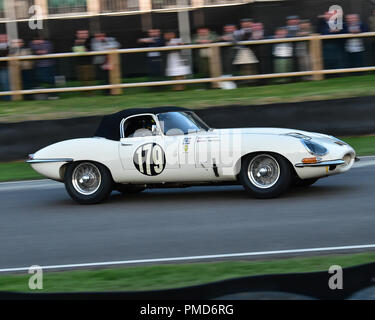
{"points": [[41, 225]]}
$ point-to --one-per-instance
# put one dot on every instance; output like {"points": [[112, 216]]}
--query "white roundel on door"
{"points": [[149, 159]]}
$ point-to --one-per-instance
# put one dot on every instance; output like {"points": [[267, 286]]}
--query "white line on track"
{"points": [[363, 164], [29, 184], [192, 258]]}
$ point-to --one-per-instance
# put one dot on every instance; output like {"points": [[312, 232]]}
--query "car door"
{"points": [[148, 159], [207, 153]]}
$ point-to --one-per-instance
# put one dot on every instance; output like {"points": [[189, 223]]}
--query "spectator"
{"points": [[18, 48], [245, 31], [154, 58], [292, 25], [85, 70], [302, 47], [245, 58], [44, 68], [176, 66], [4, 74], [333, 49], [204, 36], [228, 53], [282, 54], [257, 31], [100, 42], [262, 52], [354, 47]]}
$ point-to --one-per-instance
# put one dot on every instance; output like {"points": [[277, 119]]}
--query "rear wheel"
{"points": [[265, 175], [88, 182]]}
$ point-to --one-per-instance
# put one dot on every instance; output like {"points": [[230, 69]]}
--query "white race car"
{"points": [[137, 149]]}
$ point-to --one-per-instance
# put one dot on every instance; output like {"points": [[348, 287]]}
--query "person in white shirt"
{"points": [[177, 67], [354, 47], [282, 54]]}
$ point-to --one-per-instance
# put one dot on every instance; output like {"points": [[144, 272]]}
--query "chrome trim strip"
{"points": [[49, 160], [321, 164]]}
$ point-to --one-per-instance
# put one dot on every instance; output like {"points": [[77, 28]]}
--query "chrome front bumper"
{"points": [[321, 164]]}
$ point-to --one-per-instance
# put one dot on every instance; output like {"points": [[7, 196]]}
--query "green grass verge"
{"points": [[78, 104], [13, 171], [176, 275], [364, 146]]}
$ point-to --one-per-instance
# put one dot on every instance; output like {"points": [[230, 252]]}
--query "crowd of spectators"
{"points": [[237, 59], [261, 59]]}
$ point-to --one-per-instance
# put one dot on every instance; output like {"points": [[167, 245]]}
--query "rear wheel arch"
{"points": [[65, 166]]}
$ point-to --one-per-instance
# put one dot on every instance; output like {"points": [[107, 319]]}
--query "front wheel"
{"points": [[88, 182], [265, 175]]}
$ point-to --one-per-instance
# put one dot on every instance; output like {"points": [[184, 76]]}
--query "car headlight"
{"points": [[314, 148]]}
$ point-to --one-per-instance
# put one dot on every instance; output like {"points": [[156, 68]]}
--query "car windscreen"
{"points": [[179, 123]]}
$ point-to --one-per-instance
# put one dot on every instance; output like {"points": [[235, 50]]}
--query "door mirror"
{"points": [[154, 130]]}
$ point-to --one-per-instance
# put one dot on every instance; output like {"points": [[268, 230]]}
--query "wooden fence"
{"points": [[115, 86]]}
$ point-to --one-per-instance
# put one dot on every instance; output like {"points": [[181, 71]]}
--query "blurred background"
{"points": [[42, 27], [303, 64]]}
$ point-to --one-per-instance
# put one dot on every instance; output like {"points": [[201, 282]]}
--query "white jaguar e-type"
{"points": [[137, 149]]}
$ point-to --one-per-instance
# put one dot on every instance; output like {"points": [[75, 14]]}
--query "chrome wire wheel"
{"points": [[86, 178], [263, 171]]}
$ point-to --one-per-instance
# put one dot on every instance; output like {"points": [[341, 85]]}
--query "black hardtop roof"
{"points": [[109, 127]]}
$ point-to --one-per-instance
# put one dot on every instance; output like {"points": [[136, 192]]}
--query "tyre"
{"points": [[305, 182], [265, 175], [126, 189], [88, 182]]}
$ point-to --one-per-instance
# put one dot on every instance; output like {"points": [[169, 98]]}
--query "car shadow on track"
{"points": [[225, 194]]}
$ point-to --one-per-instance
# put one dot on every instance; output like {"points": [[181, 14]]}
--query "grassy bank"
{"points": [[13, 171], [78, 104], [176, 275]]}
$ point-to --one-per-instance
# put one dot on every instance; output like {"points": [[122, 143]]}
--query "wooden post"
{"points": [[15, 78], [115, 72], [215, 65], [316, 56]]}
